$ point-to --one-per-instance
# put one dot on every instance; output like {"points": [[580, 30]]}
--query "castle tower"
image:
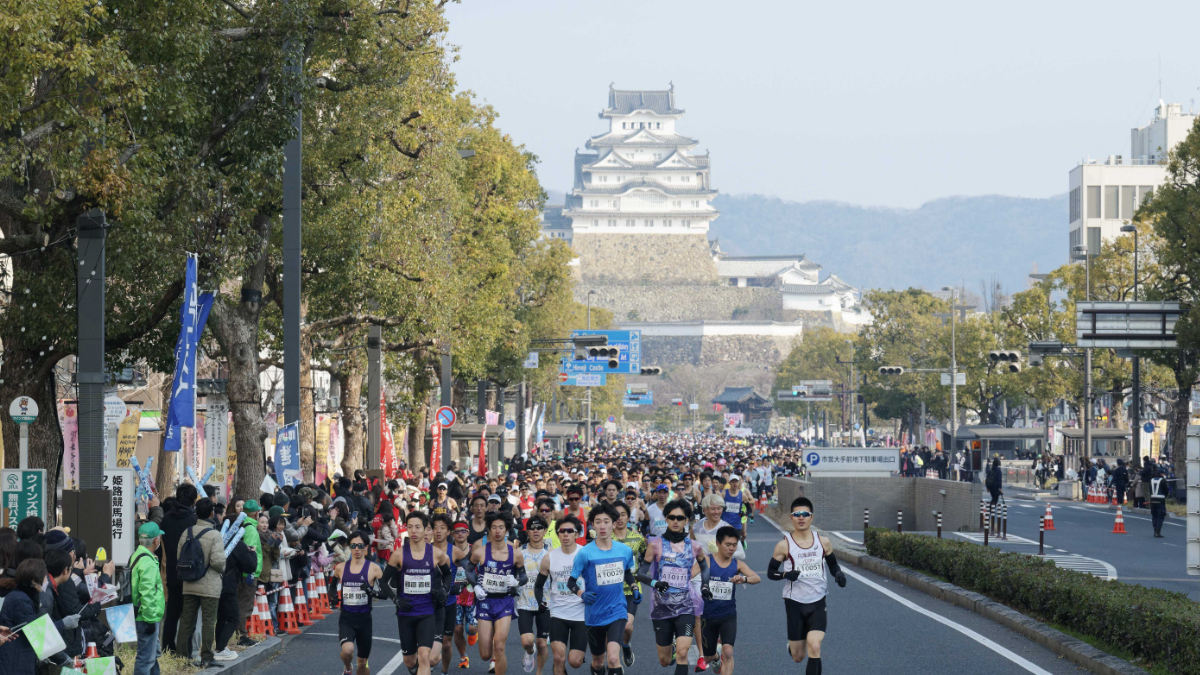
{"points": [[641, 203]]}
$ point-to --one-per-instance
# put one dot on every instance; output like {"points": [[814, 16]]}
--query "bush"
{"points": [[1159, 626]]}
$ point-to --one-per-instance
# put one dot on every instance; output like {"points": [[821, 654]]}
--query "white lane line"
{"points": [[1012, 539], [1024, 663], [1092, 566], [1061, 550], [1127, 516], [391, 666], [842, 536], [383, 639]]}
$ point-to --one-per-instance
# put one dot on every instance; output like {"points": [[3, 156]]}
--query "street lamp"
{"points": [[1084, 253], [1135, 407], [953, 371]]}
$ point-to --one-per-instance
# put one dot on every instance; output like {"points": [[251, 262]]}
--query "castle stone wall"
{"points": [[645, 258], [711, 350], [672, 302]]}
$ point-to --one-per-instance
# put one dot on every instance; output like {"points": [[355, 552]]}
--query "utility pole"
{"points": [[292, 154], [1135, 407], [1084, 252], [494, 458], [374, 397]]}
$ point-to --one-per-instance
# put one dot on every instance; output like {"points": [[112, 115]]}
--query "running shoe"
{"points": [[701, 665], [226, 654], [472, 638], [492, 666], [528, 662], [627, 656], [464, 662]]}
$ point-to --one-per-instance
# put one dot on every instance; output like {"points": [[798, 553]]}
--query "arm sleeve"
{"points": [[385, 584], [573, 584], [521, 575], [705, 572], [539, 588], [468, 566], [773, 572], [643, 573], [832, 561]]}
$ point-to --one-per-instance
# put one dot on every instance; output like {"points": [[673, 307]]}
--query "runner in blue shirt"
{"points": [[719, 623], [605, 566]]}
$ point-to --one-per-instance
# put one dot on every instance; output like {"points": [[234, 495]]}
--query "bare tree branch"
{"points": [[238, 8]]}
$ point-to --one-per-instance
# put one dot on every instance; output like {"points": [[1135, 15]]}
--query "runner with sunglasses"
{"points": [[604, 566], [568, 633], [532, 619], [575, 509], [801, 559], [668, 566], [636, 543], [719, 623], [356, 576], [442, 504], [422, 576]]}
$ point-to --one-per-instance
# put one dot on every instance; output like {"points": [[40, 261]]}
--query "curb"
{"points": [[248, 660], [1056, 641]]}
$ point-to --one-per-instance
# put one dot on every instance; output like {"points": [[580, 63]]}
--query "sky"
{"points": [[871, 103]]}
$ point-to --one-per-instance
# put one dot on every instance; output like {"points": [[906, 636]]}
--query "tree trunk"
{"points": [[308, 413], [45, 436], [350, 379], [1180, 416], [165, 471], [416, 435]]}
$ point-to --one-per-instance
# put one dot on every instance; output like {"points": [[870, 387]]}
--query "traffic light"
{"points": [[1010, 361], [612, 354], [583, 344], [891, 370], [653, 370]]}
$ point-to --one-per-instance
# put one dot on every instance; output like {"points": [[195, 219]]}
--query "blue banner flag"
{"points": [[287, 455], [181, 411]]}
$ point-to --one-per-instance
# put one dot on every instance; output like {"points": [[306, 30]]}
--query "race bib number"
{"points": [[417, 584], [721, 590], [354, 596], [659, 525], [611, 573], [460, 576], [495, 583], [676, 577], [810, 570], [733, 507]]}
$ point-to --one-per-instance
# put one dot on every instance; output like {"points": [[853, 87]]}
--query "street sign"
{"points": [[446, 416], [1126, 325], [1148, 427], [634, 400], [114, 409], [23, 410], [582, 379], [629, 358], [24, 494], [122, 485], [510, 424], [612, 418], [809, 391], [532, 361], [961, 379], [610, 427], [693, 406], [599, 430], [563, 377]]}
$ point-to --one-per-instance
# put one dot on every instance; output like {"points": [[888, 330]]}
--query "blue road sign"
{"points": [[639, 399], [568, 379], [629, 359], [1149, 427], [510, 424]]}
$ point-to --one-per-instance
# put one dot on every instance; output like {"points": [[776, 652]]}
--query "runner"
{"points": [[669, 564], [603, 565], [720, 612], [497, 570], [658, 520], [441, 504], [567, 629], [447, 615], [734, 504], [532, 619], [356, 576], [576, 510], [636, 543], [466, 629], [807, 585], [478, 523], [422, 575]]}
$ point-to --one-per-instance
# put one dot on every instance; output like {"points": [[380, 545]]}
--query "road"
{"points": [[875, 625]]}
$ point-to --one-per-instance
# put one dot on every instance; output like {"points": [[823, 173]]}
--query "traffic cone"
{"points": [[254, 624], [302, 606], [1119, 525], [314, 601], [1049, 519], [287, 612], [264, 611], [1113, 491], [323, 593]]}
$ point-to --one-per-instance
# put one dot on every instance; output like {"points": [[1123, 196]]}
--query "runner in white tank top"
{"points": [[568, 633], [800, 561]]}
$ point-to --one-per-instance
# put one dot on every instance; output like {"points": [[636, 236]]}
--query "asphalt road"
{"points": [[874, 626]]}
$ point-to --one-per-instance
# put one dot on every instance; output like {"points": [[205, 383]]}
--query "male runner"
{"points": [[567, 629], [532, 619], [604, 566], [466, 630], [735, 502], [807, 585], [497, 571], [720, 613], [669, 564], [636, 543], [442, 504], [658, 519], [575, 510], [421, 574], [356, 576], [447, 620]]}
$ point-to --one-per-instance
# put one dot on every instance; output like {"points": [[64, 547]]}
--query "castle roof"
{"points": [[627, 101], [640, 137], [762, 266], [830, 286], [691, 163], [735, 395], [622, 188], [699, 216]]}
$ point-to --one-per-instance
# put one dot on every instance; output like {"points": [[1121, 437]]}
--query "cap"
{"points": [[662, 486], [150, 529], [734, 476], [251, 506], [495, 498], [443, 485]]}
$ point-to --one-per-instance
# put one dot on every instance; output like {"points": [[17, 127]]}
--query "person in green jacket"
{"points": [[250, 538], [149, 602]]}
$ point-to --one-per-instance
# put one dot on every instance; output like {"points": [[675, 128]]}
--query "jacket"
{"points": [[240, 563], [270, 553], [67, 601], [208, 586], [17, 656], [147, 587], [173, 524], [253, 542]]}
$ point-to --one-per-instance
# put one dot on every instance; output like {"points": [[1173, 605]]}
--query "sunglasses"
{"points": [[802, 514], [534, 527], [573, 499], [567, 530], [358, 545], [677, 518], [545, 510]]}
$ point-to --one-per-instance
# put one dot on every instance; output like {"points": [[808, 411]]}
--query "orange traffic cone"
{"points": [[1119, 525], [264, 611], [1113, 491], [254, 624], [323, 594], [302, 606], [314, 601], [287, 612], [1049, 519]]}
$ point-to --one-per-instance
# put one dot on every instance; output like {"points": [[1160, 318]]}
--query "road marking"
{"points": [[1012, 539], [842, 536], [1027, 665], [1079, 563], [384, 639], [1061, 550]]}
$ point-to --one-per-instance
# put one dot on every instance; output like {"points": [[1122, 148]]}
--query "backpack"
{"points": [[990, 481], [192, 564]]}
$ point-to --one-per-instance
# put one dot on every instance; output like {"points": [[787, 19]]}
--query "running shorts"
{"points": [[722, 629], [466, 616], [416, 632], [666, 630], [573, 634], [356, 628], [600, 636], [803, 618], [447, 618], [527, 618]]}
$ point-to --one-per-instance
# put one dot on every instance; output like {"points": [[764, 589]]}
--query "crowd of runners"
{"points": [[572, 547]]}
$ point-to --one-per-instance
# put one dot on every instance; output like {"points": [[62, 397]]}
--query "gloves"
{"points": [[792, 576], [706, 593], [661, 586], [514, 591], [542, 606], [590, 597], [841, 579], [71, 621], [438, 594], [403, 604], [637, 595], [480, 594]]}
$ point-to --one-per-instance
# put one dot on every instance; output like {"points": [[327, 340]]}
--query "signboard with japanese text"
{"points": [[846, 461], [122, 484], [629, 356], [24, 494]]}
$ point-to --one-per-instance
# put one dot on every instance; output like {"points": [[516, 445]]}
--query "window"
{"points": [[630, 222], [1093, 242], [668, 179], [1110, 201], [695, 203], [648, 223], [612, 222], [687, 179], [677, 204], [687, 223], [603, 179], [1145, 192], [1074, 206], [1093, 202], [595, 223], [595, 203], [666, 223], [658, 125], [622, 125], [658, 155], [1128, 200]]}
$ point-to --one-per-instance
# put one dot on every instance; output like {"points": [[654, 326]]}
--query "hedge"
{"points": [[1162, 627]]}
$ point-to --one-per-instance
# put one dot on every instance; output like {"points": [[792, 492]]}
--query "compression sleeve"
{"points": [[385, 584], [629, 577], [572, 584], [447, 576], [521, 575], [643, 573], [773, 572], [705, 572], [539, 588], [832, 561], [468, 566]]}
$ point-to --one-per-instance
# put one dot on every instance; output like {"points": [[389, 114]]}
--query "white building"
{"points": [[642, 177], [1105, 193]]}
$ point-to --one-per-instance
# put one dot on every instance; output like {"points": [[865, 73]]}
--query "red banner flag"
{"points": [[435, 451], [387, 448], [482, 471]]}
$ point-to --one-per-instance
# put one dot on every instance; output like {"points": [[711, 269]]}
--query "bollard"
{"points": [[985, 533], [899, 521], [1042, 535], [939, 525], [1004, 521], [982, 511], [866, 523]]}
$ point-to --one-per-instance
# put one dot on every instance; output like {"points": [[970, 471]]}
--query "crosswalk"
{"points": [[1079, 563], [977, 537]]}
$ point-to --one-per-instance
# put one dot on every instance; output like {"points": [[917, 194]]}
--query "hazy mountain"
{"points": [[956, 240]]}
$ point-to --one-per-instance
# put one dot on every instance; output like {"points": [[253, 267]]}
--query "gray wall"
{"points": [[839, 502]]}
